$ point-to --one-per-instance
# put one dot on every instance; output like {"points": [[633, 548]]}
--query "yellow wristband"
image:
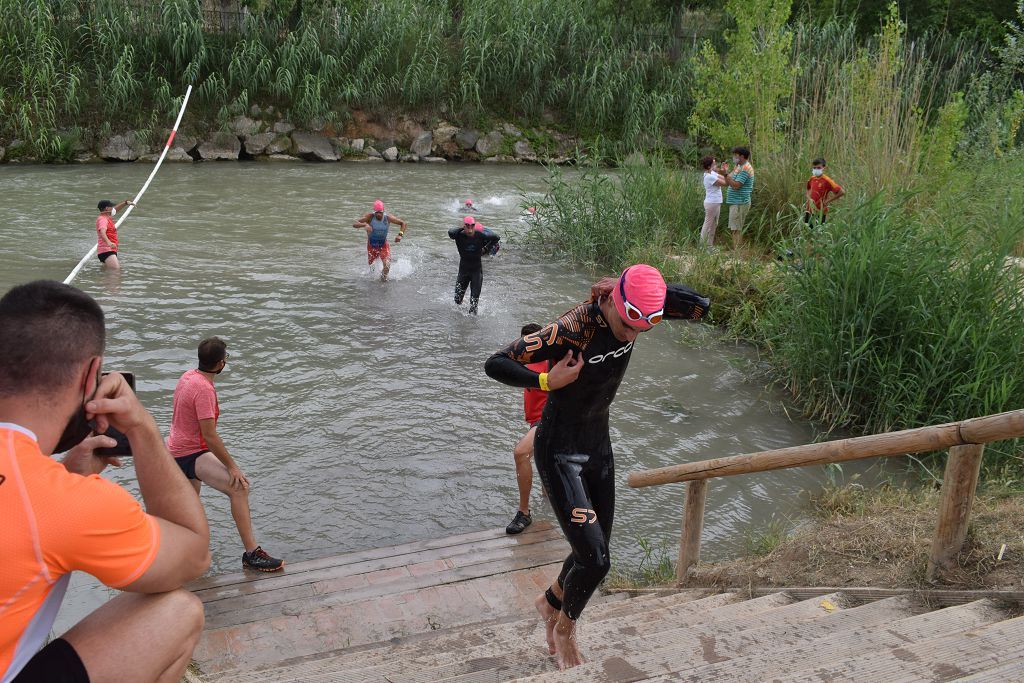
{"points": [[543, 380]]}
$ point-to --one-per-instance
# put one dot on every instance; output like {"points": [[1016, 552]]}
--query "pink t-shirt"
{"points": [[104, 223], [195, 399]]}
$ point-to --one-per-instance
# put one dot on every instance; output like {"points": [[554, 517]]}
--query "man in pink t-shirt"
{"points": [[200, 452]]}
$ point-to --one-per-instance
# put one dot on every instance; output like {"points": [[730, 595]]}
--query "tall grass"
{"points": [[67, 61], [895, 319]]}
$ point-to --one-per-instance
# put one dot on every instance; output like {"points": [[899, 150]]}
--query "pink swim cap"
{"points": [[469, 202], [644, 289], [378, 206], [469, 220]]}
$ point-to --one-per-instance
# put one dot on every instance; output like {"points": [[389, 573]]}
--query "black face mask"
{"points": [[77, 427]]}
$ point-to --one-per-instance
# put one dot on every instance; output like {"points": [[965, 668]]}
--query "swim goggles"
{"points": [[633, 313]]}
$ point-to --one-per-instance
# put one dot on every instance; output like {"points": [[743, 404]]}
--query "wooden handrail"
{"points": [[965, 439], [978, 430]]}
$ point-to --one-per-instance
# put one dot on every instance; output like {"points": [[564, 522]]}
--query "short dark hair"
{"points": [[105, 204], [742, 151], [212, 350], [530, 328], [707, 162], [820, 161], [47, 329]]}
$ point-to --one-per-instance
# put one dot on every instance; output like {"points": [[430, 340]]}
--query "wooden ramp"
{"points": [[460, 609], [255, 620]]}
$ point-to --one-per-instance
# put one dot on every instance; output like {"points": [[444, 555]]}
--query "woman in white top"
{"points": [[713, 184]]}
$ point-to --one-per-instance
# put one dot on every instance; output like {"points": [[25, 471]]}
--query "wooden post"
{"points": [[958, 485], [693, 524]]}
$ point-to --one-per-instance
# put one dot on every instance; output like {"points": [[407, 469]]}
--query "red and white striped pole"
{"points": [[128, 210]]}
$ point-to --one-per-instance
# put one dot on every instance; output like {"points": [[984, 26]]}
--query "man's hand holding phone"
{"points": [[116, 405], [82, 459]]}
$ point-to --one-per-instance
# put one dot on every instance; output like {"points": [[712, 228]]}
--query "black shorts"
{"points": [[105, 255], [56, 663], [187, 463]]}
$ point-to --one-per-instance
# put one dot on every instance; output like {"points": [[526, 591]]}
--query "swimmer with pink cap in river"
{"points": [[376, 224], [586, 352], [473, 242]]}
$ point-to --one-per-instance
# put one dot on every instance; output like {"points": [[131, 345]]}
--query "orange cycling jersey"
{"points": [[54, 523]]}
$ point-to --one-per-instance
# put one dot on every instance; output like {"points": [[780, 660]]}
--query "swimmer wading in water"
{"points": [[473, 241], [376, 224], [587, 350]]}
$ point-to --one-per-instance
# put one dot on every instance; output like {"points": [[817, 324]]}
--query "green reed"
{"points": [[892, 318], [65, 61]]}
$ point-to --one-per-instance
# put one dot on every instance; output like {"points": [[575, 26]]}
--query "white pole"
{"points": [[128, 210]]}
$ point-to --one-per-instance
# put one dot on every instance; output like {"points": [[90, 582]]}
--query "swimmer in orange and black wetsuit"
{"points": [[588, 350]]}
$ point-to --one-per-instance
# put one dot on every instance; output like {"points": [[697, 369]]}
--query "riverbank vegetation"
{"points": [[904, 310], [882, 537]]}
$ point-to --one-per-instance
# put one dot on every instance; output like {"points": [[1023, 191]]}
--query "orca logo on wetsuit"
{"points": [[611, 354], [579, 516]]}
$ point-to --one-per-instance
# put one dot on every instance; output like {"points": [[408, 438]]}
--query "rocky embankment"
{"points": [[258, 138]]}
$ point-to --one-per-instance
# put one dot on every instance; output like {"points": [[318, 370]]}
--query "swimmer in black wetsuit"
{"points": [[472, 241], [589, 348]]}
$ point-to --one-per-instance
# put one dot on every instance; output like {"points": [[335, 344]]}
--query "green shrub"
{"points": [[893, 320]]}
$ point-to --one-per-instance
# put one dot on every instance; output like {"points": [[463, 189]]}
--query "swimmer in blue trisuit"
{"points": [[472, 241], [588, 350], [376, 225]]}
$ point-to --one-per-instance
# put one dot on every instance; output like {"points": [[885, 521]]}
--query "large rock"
{"points": [[511, 130], [281, 144], [3, 151], [390, 154], [434, 160], [408, 158], [243, 126], [446, 133], [372, 153], [127, 147], [490, 144], [282, 127], [422, 145], [313, 147], [522, 150], [466, 139], [257, 144], [177, 154], [222, 145], [501, 159], [185, 143], [279, 157], [357, 144]]}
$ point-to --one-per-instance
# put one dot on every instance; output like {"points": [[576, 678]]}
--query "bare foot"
{"points": [[566, 647], [549, 616]]}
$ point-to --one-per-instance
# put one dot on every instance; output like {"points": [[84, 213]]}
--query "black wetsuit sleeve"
{"points": [[551, 344], [490, 238], [683, 303], [454, 232]]}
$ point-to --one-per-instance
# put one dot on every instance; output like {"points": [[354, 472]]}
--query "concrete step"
{"points": [[937, 659], [1010, 672], [310, 597], [696, 644], [798, 652], [442, 546], [510, 633]]}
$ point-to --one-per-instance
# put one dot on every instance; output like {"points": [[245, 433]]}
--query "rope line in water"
{"points": [[128, 210]]}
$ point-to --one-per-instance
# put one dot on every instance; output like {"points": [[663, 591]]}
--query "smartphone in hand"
{"points": [[123, 449]]}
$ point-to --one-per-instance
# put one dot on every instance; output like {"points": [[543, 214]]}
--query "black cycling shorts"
{"points": [[187, 463], [56, 663], [105, 255]]}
